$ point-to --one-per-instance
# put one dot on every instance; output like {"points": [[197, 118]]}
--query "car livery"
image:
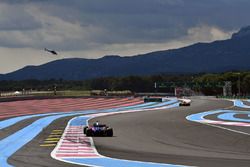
{"points": [[98, 130], [185, 102]]}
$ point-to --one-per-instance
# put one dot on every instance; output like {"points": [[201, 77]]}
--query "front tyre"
{"points": [[110, 132]]}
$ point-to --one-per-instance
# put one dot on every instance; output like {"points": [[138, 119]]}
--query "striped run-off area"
{"points": [[20, 108], [74, 147], [76, 144]]}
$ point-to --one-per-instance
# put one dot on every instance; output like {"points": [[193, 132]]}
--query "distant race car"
{"points": [[98, 130], [185, 102]]}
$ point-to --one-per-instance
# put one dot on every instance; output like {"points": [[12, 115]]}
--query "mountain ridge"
{"points": [[217, 56]]}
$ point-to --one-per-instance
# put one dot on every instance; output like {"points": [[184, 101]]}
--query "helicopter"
{"points": [[51, 51]]}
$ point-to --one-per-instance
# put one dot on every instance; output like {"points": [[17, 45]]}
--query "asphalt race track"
{"points": [[166, 136], [160, 136]]}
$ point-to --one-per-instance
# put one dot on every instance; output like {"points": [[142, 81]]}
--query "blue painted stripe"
{"points": [[138, 106], [150, 106], [200, 116], [14, 142], [161, 104], [239, 103], [11, 121], [165, 103], [111, 162], [231, 117], [141, 106], [225, 115], [172, 106], [81, 121]]}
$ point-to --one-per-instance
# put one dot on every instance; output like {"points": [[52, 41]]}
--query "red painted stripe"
{"points": [[26, 107], [77, 155], [74, 145], [70, 148], [75, 151]]}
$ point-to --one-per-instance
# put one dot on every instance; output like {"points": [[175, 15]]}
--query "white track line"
{"points": [[228, 129]]}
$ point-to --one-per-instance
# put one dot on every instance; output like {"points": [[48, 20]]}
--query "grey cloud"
{"points": [[100, 22], [21, 20], [151, 15], [93, 28]]}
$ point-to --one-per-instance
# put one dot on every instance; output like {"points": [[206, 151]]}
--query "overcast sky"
{"points": [[94, 28]]}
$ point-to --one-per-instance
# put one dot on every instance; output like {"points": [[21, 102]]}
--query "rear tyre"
{"points": [[88, 132], [85, 129]]}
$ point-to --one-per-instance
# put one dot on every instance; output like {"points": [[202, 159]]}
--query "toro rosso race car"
{"points": [[98, 130]]}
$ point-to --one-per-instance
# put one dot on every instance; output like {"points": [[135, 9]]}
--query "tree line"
{"points": [[208, 84]]}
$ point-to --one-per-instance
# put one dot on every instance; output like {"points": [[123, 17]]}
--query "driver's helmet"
{"points": [[96, 123]]}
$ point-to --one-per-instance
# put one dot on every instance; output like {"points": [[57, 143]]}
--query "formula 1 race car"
{"points": [[185, 102], [98, 130]]}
